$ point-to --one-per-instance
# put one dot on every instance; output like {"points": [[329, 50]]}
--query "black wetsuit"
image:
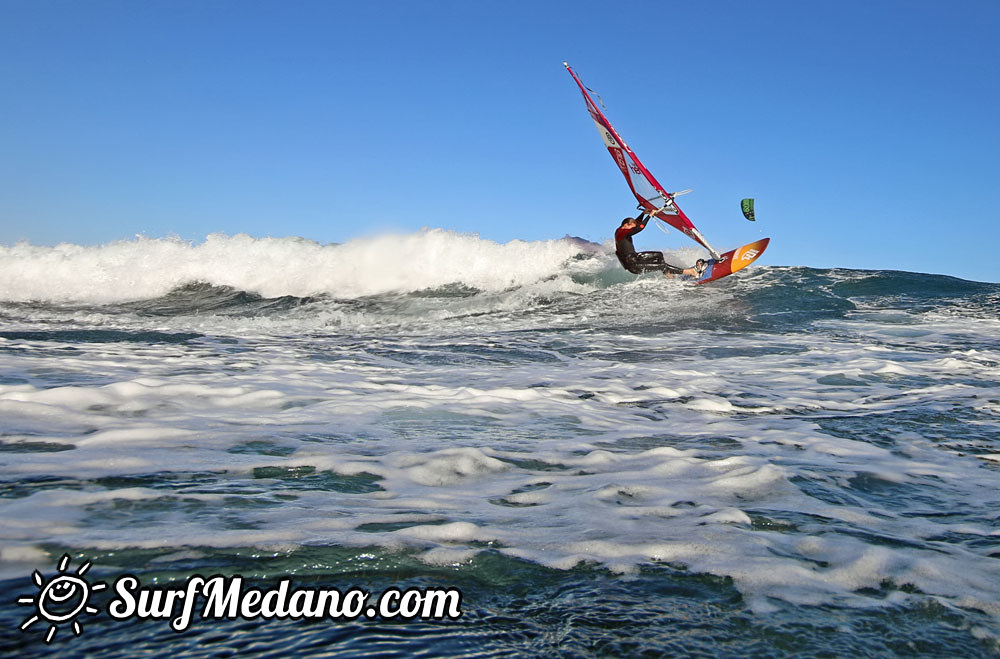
{"points": [[639, 262]]}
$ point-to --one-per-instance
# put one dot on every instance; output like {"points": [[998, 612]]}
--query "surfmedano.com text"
{"points": [[227, 598]]}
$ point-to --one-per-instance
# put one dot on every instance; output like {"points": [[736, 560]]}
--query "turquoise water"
{"points": [[792, 462]]}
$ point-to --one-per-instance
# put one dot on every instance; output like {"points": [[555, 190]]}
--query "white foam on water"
{"points": [[605, 442]]}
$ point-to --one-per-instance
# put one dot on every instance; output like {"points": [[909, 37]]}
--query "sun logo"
{"points": [[61, 599]]}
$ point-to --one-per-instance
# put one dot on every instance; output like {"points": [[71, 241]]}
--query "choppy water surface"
{"points": [[792, 461]]}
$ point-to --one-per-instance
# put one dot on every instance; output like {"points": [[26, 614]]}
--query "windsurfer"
{"points": [[639, 262]]}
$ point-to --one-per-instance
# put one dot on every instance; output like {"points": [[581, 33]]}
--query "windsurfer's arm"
{"points": [[641, 222]]}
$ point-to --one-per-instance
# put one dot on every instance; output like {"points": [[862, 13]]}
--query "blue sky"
{"points": [[866, 130]]}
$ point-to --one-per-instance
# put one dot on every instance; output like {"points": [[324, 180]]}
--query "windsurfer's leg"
{"points": [[668, 270], [654, 262], [650, 260]]}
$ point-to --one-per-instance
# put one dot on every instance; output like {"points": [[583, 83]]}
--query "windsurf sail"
{"points": [[651, 195], [747, 206]]}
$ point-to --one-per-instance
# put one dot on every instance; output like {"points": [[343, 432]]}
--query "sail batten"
{"points": [[647, 190]]}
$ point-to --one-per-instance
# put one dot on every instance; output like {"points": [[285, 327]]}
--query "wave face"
{"points": [[566, 442]]}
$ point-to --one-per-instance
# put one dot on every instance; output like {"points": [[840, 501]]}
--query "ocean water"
{"points": [[789, 462]]}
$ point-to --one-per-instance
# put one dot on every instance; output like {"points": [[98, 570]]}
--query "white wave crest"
{"points": [[146, 268]]}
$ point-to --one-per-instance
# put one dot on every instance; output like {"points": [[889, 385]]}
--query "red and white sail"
{"points": [[647, 190]]}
